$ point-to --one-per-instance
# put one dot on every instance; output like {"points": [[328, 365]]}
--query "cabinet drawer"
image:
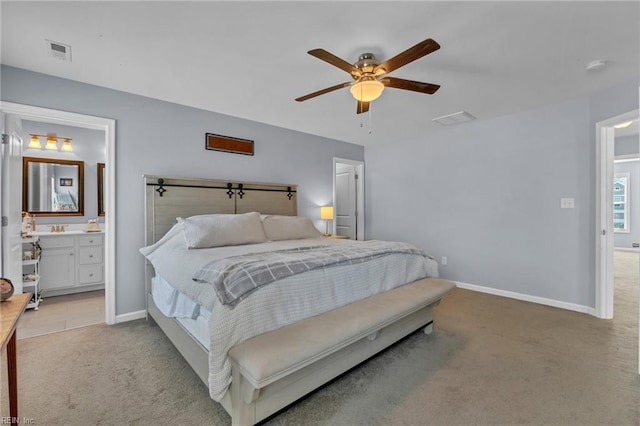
{"points": [[89, 255], [88, 274], [90, 240], [57, 242]]}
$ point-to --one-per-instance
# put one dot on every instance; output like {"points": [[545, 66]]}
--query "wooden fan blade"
{"points": [[415, 86], [333, 60], [416, 52], [323, 91], [362, 107]]}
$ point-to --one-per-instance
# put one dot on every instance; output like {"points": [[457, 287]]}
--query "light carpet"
{"points": [[490, 361]]}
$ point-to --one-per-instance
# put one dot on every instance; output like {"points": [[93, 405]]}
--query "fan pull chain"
{"points": [[370, 120], [359, 104]]}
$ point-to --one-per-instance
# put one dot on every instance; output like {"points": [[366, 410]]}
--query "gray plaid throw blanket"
{"points": [[235, 277]]}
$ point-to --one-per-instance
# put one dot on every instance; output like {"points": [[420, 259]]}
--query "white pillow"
{"points": [[217, 230], [289, 228]]}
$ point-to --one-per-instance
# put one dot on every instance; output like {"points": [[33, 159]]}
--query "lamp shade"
{"points": [[326, 213], [34, 142], [66, 146], [367, 90], [52, 143]]}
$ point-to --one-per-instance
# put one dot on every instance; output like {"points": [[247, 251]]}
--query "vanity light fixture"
{"points": [[52, 142]]}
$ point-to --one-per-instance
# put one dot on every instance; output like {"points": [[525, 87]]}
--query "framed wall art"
{"points": [[228, 144]]}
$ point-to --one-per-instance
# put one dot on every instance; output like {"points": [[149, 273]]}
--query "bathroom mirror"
{"points": [[52, 187], [100, 189]]}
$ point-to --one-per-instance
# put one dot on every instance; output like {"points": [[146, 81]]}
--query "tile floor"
{"points": [[61, 313]]}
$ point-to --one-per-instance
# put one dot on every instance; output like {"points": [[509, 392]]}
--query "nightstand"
{"points": [[343, 237]]}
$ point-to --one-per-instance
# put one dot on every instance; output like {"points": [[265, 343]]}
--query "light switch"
{"points": [[567, 203]]}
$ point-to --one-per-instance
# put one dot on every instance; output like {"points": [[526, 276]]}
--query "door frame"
{"points": [[108, 126], [11, 168], [605, 141], [359, 201]]}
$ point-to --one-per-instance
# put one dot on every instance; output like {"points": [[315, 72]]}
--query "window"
{"points": [[621, 202]]}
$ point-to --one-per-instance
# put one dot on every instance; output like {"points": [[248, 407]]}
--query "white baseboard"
{"points": [[473, 287], [131, 316], [528, 298]]}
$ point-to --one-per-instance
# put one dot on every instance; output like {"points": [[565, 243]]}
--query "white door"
{"points": [[11, 200], [345, 203], [348, 198]]}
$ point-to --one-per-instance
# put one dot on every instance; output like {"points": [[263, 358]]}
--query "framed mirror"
{"points": [[100, 189], [52, 187]]}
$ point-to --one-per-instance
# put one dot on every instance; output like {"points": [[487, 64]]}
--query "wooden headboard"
{"points": [[169, 197]]}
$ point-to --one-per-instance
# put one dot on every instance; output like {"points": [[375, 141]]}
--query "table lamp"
{"points": [[326, 214]]}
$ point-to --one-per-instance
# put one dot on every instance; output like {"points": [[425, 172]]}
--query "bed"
{"points": [[64, 201], [258, 345]]}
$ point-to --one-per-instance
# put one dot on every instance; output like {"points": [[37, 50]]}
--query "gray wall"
{"points": [[88, 146], [622, 239], [486, 194], [157, 137]]}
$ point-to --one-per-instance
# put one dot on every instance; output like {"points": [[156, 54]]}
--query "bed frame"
{"points": [[274, 369]]}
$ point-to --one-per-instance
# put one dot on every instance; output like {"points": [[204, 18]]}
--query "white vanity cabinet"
{"points": [[57, 262], [90, 259], [71, 262]]}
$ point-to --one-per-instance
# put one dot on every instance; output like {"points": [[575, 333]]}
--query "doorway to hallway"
{"points": [[348, 198]]}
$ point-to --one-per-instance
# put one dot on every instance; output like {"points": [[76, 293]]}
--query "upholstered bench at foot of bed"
{"points": [[274, 369]]}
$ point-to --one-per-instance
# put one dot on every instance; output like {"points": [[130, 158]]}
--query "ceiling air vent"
{"points": [[59, 50], [455, 118]]}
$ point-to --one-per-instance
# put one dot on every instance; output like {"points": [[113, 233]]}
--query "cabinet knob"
{"points": [[90, 241], [90, 255], [90, 275]]}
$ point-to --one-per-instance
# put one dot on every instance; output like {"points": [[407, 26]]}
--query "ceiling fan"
{"points": [[370, 74]]}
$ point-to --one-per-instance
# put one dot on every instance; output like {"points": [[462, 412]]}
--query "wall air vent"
{"points": [[59, 50], [455, 118]]}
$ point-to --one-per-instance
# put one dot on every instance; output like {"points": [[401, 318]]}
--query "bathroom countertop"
{"points": [[69, 232]]}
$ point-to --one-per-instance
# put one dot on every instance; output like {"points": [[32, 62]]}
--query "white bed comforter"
{"points": [[282, 302]]}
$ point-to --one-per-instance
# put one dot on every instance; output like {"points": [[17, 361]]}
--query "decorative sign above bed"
{"points": [[228, 144]]}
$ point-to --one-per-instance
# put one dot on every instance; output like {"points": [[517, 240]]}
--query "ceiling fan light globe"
{"points": [[367, 90]]}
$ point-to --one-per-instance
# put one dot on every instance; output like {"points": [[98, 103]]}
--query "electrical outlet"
{"points": [[567, 203], [444, 260]]}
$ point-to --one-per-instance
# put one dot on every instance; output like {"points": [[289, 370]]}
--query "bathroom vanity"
{"points": [[71, 262]]}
